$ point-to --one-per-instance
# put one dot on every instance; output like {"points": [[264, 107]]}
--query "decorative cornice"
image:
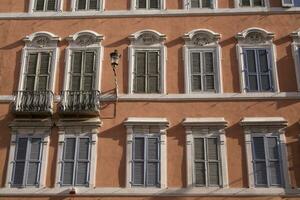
{"points": [[85, 38], [31, 123], [255, 35], [205, 122], [263, 121], [76, 122], [201, 37], [146, 121], [41, 39], [147, 37]]}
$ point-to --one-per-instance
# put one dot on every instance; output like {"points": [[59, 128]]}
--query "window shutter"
{"points": [[196, 71], [89, 70], [94, 5], [22, 149], [68, 173], [152, 174], [34, 163], [81, 4], [154, 3], [213, 168], [259, 148], [84, 146], [82, 169], [139, 148], [244, 2], [19, 173], [141, 3], [260, 172], [207, 4], [140, 72], [33, 168], [138, 173], [69, 157], [212, 149], [76, 71], [51, 5], [39, 5], [199, 161], [31, 71], [199, 149], [44, 71], [153, 161], [19, 168], [138, 162], [275, 173], [153, 72], [200, 173], [209, 71], [70, 145], [195, 4]]}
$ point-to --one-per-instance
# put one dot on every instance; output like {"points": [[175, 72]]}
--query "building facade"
{"points": [[203, 101]]}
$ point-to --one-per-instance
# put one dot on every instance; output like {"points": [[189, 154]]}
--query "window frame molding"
{"points": [[258, 126], [262, 40], [296, 54], [204, 127], [145, 126], [75, 128], [237, 4], [100, 9], [24, 128], [32, 3], [156, 43], [202, 39], [187, 5], [133, 6]]}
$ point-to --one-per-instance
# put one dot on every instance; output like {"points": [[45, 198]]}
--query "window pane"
{"points": [[138, 173], [139, 148], [154, 3], [19, 173], [196, 83], [40, 4], [265, 83], [196, 63], [275, 174], [22, 149], [142, 3], [76, 83], [88, 83], [51, 5], [258, 2], [153, 83], [81, 4], [43, 83], [84, 144], [245, 2], [140, 84], [213, 173], [253, 85], [209, 63], [32, 173], [251, 60], [259, 149], [45, 60], [209, 82], [152, 174], [153, 149], [212, 149], [195, 4], [30, 83], [82, 168], [140, 63], [70, 144], [260, 173], [68, 173], [32, 62], [206, 3], [93, 4], [199, 173], [273, 148], [89, 62], [77, 60], [153, 62], [263, 61], [35, 149], [199, 148]]}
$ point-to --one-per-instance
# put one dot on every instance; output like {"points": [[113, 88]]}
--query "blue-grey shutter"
{"points": [[153, 72], [39, 6], [94, 4], [69, 157], [19, 173], [19, 168], [140, 73], [51, 5], [274, 161], [153, 161], [265, 70], [138, 161], [34, 161], [83, 161], [260, 171], [199, 163]]}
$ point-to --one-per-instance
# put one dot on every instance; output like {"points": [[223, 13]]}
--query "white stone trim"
{"points": [[78, 127], [295, 52], [73, 6], [210, 41], [195, 127], [266, 42], [133, 6], [265, 126], [186, 5], [30, 127], [157, 43], [237, 4], [144, 125], [59, 7]]}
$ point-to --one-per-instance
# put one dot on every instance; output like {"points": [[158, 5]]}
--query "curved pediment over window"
{"points": [[85, 38], [147, 37], [201, 37], [255, 36], [41, 39], [296, 35]]}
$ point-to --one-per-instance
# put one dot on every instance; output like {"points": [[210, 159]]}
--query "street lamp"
{"points": [[114, 61]]}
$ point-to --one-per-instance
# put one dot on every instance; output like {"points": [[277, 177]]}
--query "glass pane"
{"points": [[77, 60], [260, 173], [140, 63], [30, 83], [196, 82], [138, 173], [51, 5], [153, 62], [88, 83], [209, 82], [253, 85], [43, 83], [213, 173], [245, 2], [273, 148], [209, 62], [206, 3], [93, 4], [196, 63], [139, 148], [44, 67], [89, 62], [275, 174], [153, 149], [32, 176], [199, 148], [70, 144], [32, 62], [140, 84], [153, 84], [76, 83], [258, 2], [195, 4], [22, 149], [263, 61], [84, 144], [81, 4], [259, 148], [68, 173], [212, 149], [154, 3], [200, 173], [152, 173], [82, 169], [40, 5], [35, 149], [265, 83], [19, 173], [142, 3], [250, 62]]}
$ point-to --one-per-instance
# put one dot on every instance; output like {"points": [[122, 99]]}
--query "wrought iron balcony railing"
{"points": [[80, 101], [33, 102]]}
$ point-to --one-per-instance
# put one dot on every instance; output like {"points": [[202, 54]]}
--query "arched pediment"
{"points": [[41, 39], [201, 37], [255, 36], [147, 37], [85, 38]]}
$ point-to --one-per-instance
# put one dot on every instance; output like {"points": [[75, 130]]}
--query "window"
{"points": [[147, 62], [45, 5], [252, 3], [40, 55], [146, 152], [206, 152], [28, 153], [82, 74], [84, 5], [148, 4], [202, 61], [296, 54], [201, 3], [77, 153], [291, 3], [266, 151], [76, 161], [256, 54]]}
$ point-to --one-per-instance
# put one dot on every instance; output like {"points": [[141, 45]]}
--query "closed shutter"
{"points": [[142, 4], [209, 77], [34, 161], [196, 71], [274, 163], [138, 161], [76, 71], [213, 161], [69, 158], [258, 3], [51, 5], [89, 71], [81, 5], [251, 70], [19, 168], [94, 5], [265, 70], [83, 161], [245, 3], [154, 4], [153, 162], [39, 6], [199, 156], [206, 3], [44, 71], [31, 71], [153, 72], [260, 171], [140, 72], [195, 4]]}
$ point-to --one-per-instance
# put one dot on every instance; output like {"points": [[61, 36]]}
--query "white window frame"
{"points": [[187, 5], [203, 128], [84, 40], [295, 52], [134, 6], [75, 2], [262, 39], [142, 41], [33, 128], [78, 128], [238, 5], [146, 126], [287, 5], [202, 40], [32, 3], [264, 126]]}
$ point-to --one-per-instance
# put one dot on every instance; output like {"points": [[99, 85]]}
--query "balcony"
{"points": [[80, 102], [33, 102]]}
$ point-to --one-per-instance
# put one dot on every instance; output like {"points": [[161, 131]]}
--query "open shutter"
{"points": [[265, 70], [94, 5], [140, 72], [287, 3], [153, 162], [34, 161], [39, 6], [76, 71], [153, 72], [199, 161], [83, 161], [51, 5], [138, 161], [81, 5], [44, 70], [69, 157]]}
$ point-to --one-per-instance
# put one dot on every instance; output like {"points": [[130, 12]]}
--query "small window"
{"points": [[45, 5], [27, 162], [252, 3], [88, 4], [148, 4], [76, 161], [201, 3]]}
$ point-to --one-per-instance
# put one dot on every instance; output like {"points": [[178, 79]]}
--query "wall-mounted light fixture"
{"points": [[114, 61]]}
